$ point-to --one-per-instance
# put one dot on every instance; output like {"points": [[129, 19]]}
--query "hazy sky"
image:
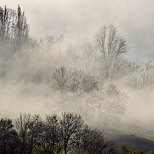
{"points": [[80, 19]]}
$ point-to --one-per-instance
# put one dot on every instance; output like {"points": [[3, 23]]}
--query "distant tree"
{"points": [[3, 22], [60, 78], [21, 30], [112, 47], [8, 137], [109, 105], [80, 82], [71, 125], [142, 76], [14, 30], [74, 81], [14, 39]]}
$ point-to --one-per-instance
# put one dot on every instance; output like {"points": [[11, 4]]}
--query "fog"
{"points": [[28, 87], [79, 20]]}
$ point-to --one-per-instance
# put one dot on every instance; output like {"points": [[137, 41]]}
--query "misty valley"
{"points": [[63, 97]]}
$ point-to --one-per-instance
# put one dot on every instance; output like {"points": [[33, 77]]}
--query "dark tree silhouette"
{"points": [[34, 133], [71, 124], [8, 137], [22, 126], [91, 141], [50, 140], [67, 134]]}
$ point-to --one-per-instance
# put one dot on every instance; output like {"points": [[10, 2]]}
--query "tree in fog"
{"points": [[80, 82], [67, 134], [8, 137], [112, 47], [50, 139], [73, 81], [60, 78], [29, 129], [13, 28], [34, 133], [109, 105], [3, 22], [21, 30], [14, 38], [22, 126], [143, 76], [71, 125], [92, 141]]}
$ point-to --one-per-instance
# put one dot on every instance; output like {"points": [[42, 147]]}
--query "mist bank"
{"points": [[95, 79], [77, 20]]}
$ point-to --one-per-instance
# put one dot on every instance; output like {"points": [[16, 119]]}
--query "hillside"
{"points": [[133, 142]]}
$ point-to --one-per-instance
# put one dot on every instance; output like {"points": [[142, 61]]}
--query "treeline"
{"points": [[31, 134], [14, 31]]}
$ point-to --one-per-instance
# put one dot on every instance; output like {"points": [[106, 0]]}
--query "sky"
{"points": [[79, 20]]}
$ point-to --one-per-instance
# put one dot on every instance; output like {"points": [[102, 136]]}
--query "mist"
{"points": [[62, 39], [79, 20]]}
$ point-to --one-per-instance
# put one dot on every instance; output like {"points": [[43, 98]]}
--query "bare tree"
{"points": [[34, 133], [80, 82], [3, 22], [92, 141], [75, 81], [67, 134], [14, 39], [109, 105], [21, 31], [22, 126], [71, 124], [8, 137], [13, 28], [112, 47], [50, 140], [60, 79]]}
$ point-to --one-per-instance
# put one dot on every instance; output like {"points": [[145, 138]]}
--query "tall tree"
{"points": [[22, 126], [71, 124], [109, 105], [112, 47], [8, 137], [21, 29], [50, 140], [34, 133]]}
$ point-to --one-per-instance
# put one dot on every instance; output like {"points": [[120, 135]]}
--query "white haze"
{"points": [[77, 21], [80, 19]]}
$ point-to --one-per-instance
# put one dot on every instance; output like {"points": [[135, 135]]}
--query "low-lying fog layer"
{"points": [[24, 97]]}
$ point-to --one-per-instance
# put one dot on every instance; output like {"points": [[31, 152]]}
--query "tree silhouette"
{"points": [[8, 137]]}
